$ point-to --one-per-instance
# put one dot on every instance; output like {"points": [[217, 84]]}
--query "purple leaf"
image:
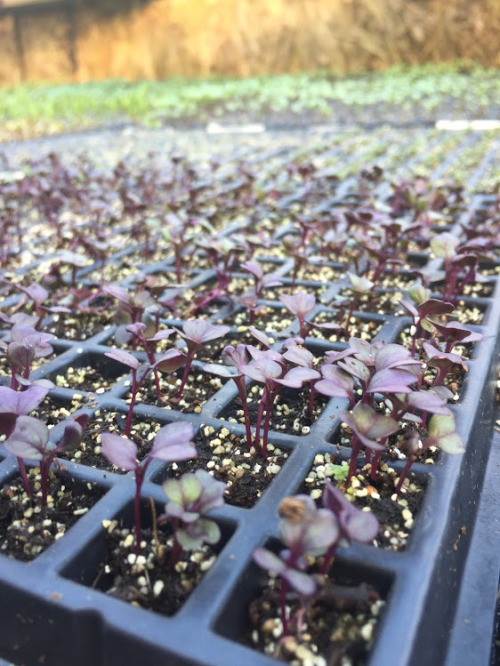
{"points": [[260, 336], [355, 524], [72, 436], [426, 401], [221, 370], [36, 292], [299, 356], [21, 402], [200, 331], [393, 355], [120, 451], [173, 442], [28, 439], [236, 357], [355, 368], [297, 377], [335, 383], [118, 292], [268, 561], [171, 360], [299, 304], [391, 381], [263, 370], [254, 268], [123, 357], [368, 425], [300, 581], [434, 307]]}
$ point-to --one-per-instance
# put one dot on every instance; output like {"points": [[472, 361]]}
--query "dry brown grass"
{"points": [[162, 38]]}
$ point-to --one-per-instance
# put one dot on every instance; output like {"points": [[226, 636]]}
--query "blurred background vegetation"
{"points": [[84, 40], [68, 64]]}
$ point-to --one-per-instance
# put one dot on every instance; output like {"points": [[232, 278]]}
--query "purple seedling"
{"points": [[30, 440], [190, 498], [353, 523], [304, 373], [261, 281], [300, 304], [196, 334], [442, 434], [235, 359], [421, 316], [444, 363], [171, 444], [19, 403], [26, 345], [367, 428], [266, 369], [170, 361], [306, 532]]}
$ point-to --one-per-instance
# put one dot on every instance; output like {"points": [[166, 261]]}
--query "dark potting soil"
{"points": [[225, 456], [149, 580], [338, 628], [27, 528]]}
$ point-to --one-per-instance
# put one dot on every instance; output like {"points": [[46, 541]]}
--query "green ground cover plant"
{"points": [[458, 89]]}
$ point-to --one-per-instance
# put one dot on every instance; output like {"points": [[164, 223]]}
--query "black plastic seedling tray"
{"points": [[51, 614]]}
